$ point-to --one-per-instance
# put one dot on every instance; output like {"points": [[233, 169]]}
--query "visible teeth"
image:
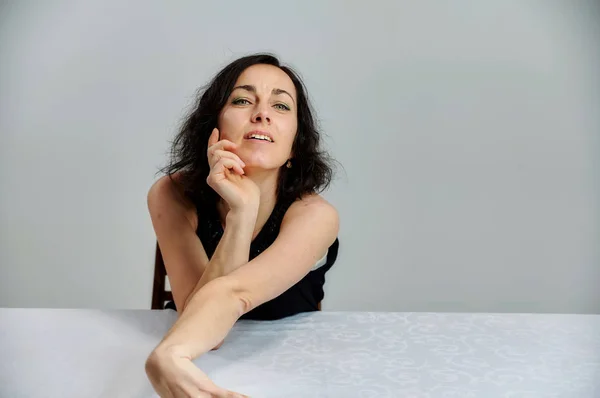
{"points": [[260, 137]]}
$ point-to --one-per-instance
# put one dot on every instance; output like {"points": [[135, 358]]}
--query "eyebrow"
{"points": [[252, 89]]}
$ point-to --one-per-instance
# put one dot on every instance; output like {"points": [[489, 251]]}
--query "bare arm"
{"points": [[174, 220], [233, 249], [307, 230], [188, 267]]}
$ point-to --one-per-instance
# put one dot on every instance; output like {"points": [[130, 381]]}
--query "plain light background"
{"points": [[469, 133]]}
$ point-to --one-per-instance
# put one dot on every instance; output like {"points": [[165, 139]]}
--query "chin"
{"points": [[254, 167], [259, 162]]}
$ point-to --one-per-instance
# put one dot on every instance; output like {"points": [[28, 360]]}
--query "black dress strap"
{"points": [[210, 229]]}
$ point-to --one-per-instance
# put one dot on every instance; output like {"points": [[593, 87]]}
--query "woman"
{"points": [[241, 227]]}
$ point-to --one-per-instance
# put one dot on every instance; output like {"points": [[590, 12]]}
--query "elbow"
{"points": [[244, 303], [237, 294], [225, 292]]}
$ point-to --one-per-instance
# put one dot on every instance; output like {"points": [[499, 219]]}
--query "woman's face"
{"points": [[260, 116]]}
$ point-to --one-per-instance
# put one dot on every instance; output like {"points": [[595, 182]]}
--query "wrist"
{"points": [[243, 217], [233, 249], [165, 350]]}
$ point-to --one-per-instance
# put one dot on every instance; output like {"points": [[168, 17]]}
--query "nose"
{"points": [[261, 115]]}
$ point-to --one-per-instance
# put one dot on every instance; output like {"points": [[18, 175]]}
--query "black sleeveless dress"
{"points": [[304, 296]]}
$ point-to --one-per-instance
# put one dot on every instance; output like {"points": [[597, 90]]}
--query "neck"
{"points": [[266, 180]]}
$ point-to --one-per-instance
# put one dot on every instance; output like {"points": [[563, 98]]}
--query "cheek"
{"points": [[290, 128], [229, 124], [225, 119], [292, 135]]}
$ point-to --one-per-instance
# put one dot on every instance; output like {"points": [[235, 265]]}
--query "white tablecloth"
{"points": [[94, 353]]}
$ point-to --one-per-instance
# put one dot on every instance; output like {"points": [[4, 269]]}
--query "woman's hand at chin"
{"points": [[227, 176]]}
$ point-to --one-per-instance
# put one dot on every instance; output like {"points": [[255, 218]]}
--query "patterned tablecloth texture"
{"points": [[94, 353]]}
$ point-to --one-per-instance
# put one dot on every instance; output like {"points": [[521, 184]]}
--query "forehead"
{"points": [[265, 78]]}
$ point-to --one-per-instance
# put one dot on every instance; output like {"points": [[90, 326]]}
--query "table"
{"points": [[101, 353]]}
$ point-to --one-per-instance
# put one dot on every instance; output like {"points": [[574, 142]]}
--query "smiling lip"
{"points": [[259, 132]]}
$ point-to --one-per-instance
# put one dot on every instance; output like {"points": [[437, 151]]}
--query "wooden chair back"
{"points": [[160, 296]]}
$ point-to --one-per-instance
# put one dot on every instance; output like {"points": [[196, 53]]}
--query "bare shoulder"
{"points": [[313, 202], [316, 210], [166, 197]]}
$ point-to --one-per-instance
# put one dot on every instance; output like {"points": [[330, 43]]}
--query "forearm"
{"points": [[233, 249], [213, 311]]}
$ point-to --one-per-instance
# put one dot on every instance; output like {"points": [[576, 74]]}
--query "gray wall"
{"points": [[469, 135]]}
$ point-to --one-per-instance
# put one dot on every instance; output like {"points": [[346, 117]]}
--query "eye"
{"points": [[282, 107], [240, 101]]}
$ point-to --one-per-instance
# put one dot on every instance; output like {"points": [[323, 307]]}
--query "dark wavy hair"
{"points": [[311, 170]]}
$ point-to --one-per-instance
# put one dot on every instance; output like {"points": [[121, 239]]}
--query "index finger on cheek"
{"points": [[228, 145], [214, 137]]}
